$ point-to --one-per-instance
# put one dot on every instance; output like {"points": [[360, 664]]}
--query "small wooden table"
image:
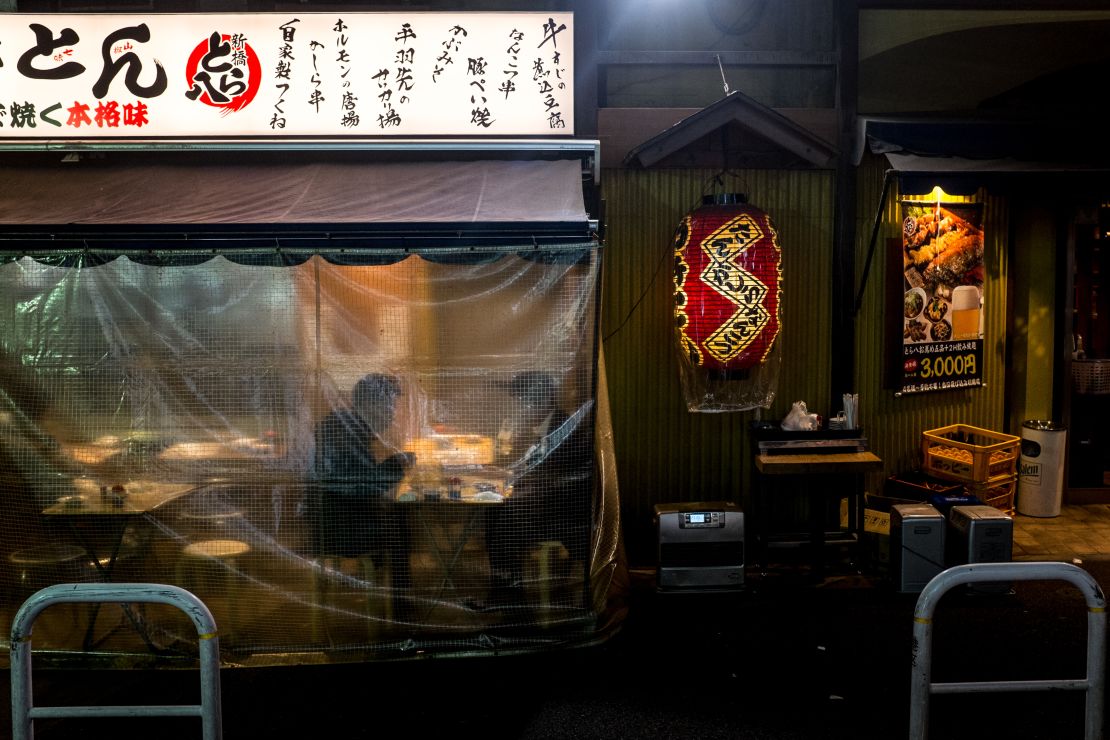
{"points": [[808, 465], [99, 522]]}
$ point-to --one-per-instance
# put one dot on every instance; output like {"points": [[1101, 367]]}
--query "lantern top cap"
{"points": [[724, 199]]}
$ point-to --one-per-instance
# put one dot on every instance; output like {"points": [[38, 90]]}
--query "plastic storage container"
{"points": [[916, 545], [997, 493], [969, 454]]}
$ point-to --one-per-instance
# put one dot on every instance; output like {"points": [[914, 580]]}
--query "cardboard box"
{"points": [[875, 540]]}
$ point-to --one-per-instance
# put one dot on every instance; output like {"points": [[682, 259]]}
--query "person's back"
{"points": [[354, 475], [551, 487]]}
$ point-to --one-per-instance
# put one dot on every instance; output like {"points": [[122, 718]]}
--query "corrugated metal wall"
{"points": [[664, 452], [667, 454], [894, 425]]}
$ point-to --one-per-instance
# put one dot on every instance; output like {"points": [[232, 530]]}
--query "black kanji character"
{"points": [[23, 116], [133, 64], [481, 117], [217, 48], [45, 44], [550, 31]]}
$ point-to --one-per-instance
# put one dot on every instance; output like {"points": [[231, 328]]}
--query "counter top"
{"points": [[816, 464]]}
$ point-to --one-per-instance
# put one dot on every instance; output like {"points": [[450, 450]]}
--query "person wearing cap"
{"points": [[548, 453], [357, 470]]}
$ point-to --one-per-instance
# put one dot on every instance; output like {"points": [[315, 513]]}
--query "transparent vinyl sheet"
{"points": [[709, 391], [358, 461]]}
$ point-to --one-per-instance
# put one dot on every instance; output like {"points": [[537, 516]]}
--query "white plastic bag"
{"points": [[799, 419]]}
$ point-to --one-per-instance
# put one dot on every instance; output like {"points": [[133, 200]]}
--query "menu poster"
{"points": [[942, 307]]}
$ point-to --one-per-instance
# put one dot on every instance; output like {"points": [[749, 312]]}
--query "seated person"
{"points": [[551, 456], [356, 470]]}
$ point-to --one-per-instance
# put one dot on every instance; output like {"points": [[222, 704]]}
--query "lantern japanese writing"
{"points": [[727, 284]]}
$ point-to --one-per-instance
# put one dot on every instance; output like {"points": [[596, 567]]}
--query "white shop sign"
{"points": [[408, 74]]}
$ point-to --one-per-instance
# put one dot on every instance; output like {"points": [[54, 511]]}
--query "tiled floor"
{"points": [[1080, 532]]}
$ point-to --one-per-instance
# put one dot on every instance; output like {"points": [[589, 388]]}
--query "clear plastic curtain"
{"points": [[360, 460]]}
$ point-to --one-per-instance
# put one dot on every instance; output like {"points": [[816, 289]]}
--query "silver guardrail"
{"points": [[24, 713], [921, 685]]}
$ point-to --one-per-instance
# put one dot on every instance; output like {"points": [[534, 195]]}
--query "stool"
{"points": [[328, 568], [44, 565], [54, 562], [548, 556], [209, 563], [211, 519]]}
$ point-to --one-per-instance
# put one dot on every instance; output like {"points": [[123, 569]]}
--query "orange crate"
{"points": [[969, 454], [999, 494]]}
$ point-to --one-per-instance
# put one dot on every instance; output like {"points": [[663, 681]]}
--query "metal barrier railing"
{"points": [[921, 686], [24, 713]]}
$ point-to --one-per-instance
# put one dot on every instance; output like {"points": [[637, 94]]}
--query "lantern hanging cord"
{"points": [[655, 275], [719, 180], [724, 81], [663, 258], [874, 238]]}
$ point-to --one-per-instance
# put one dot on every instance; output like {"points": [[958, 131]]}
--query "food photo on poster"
{"points": [[942, 307]]}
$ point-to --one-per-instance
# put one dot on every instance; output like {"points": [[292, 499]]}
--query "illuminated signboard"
{"points": [[286, 74], [942, 283]]}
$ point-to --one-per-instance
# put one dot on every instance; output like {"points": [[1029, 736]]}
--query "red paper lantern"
{"points": [[727, 284]]}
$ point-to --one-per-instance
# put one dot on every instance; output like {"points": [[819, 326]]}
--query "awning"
{"points": [[963, 176], [962, 155], [400, 205], [355, 193]]}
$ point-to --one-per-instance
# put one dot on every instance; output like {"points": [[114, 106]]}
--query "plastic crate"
{"points": [[968, 454], [999, 494], [916, 486]]}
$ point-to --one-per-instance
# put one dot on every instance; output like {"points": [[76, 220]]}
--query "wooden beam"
{"points": [[587, 93], [740, 58], [842, 376]]}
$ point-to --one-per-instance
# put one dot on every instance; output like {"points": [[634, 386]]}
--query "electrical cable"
{"points": [[717, 177]]}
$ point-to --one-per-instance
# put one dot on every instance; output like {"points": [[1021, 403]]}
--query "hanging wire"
{"points": [[654, 276], [717, 178]]}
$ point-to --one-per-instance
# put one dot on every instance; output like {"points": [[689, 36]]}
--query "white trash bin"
{"points": [[1041, 468]]}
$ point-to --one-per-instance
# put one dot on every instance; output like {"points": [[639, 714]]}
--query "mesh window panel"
{"points": [[359, 460]]}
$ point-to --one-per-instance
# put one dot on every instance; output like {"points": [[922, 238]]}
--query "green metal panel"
{"points": [[894, 424], [664, 452]]}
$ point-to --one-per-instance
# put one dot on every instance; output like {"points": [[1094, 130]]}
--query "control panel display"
{"points": [[697, 519]]}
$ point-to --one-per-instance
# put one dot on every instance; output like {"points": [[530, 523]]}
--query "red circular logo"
{"points": [[223, 72]]}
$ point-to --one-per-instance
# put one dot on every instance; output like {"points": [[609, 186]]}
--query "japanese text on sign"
{"points": [[286, 74]]}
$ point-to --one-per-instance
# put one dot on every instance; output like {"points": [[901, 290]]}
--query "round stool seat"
{"points": [[216, 549], [50, 554], [209, 568]]}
